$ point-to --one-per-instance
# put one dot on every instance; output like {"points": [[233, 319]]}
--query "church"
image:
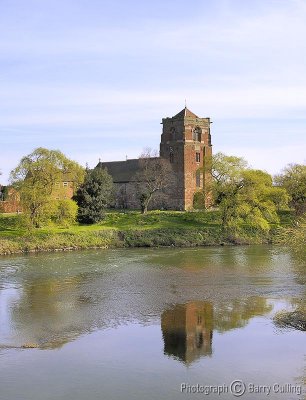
{"points": [[186, 144]]}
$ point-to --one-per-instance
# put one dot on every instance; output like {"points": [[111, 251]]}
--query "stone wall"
{"points": [[126, 197]]}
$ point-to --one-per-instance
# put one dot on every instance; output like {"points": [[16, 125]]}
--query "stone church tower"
{"points": [[186, 143]]}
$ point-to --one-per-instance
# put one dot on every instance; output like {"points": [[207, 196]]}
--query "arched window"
{"points": [[196, 134]]}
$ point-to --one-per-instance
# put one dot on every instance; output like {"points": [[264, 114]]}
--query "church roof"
{"points": [[121, 171], [185, 113]]}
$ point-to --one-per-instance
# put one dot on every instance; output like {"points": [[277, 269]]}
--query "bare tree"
{"points": [[155, 176]]}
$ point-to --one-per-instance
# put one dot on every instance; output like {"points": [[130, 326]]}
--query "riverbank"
{"points": [[130, 229]]}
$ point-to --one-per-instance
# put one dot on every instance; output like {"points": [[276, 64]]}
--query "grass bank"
{"points": [[129, 229]]}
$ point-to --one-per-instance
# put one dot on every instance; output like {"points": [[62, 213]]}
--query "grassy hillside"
{"points": [[127, 229]]}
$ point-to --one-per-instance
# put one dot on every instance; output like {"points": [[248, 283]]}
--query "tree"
{"points": [[64, 212], [227, 181], [154, 176], [94, 196], [246, 197], [226, 168], [293, 179], [35, 178], [258, 200], [295, 236]]}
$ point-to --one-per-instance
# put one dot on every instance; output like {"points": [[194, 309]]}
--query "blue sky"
{"points": [[95, 78]]}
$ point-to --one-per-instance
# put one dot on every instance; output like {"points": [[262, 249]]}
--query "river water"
{"points": [[151, 324]]}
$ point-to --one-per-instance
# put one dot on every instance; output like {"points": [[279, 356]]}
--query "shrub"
{"points": [[64, 212], [199, 201]]}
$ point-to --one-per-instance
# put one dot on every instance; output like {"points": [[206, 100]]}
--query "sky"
{"points": [[95, 78]]}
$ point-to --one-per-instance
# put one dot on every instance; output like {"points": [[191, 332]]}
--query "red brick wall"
{"points": [[9, 207], [177, 136]]}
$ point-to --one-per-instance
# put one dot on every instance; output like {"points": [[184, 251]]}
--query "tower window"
{"points": [[171, 156], [172, 133], [198, 157], [196, 134]]}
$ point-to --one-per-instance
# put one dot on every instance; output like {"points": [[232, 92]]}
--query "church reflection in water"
{"points": [[188, 330]]}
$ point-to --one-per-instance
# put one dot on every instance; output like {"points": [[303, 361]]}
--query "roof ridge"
{"points": [[185, 112]]}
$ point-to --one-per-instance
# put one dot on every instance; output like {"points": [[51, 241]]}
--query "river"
{"points": [[151, 324]]}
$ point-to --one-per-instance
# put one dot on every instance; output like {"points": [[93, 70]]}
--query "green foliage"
{"points": [[246, 197], [293, 179], [279, 196], [35, 178], [286, 217], [170, 237], [226, 172], [237, 313], [11, 223], [37, 214], [64, 212], [225, 168], [94, 196], [199, 201], [59, 241], [295, 236]]}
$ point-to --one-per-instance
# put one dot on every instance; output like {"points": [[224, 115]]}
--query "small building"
{"points": [[9, 200], [63, 189]]}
